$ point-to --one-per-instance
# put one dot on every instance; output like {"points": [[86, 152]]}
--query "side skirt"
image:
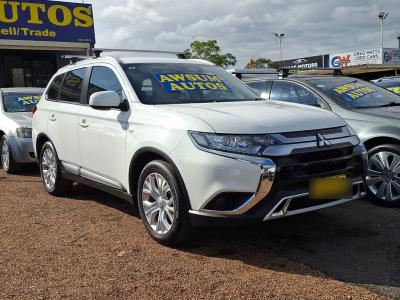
{"points": [[99, 186]]}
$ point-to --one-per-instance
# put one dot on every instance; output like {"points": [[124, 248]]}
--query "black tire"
{"points": [[388, 176], [11, 166], [61, 185], [180, 229]]}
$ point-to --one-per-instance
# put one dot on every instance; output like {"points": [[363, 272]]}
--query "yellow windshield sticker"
{"points": [[27, 100], [354, 90], [191, 82], [395, 90]]}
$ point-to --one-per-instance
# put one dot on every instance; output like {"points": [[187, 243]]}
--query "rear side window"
{"points": [[290, 92], [71, 89], [104, 79], [52, 91]]}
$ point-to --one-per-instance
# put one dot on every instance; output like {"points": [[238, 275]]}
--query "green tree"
{"points": [[210, 51], [262, 63]]}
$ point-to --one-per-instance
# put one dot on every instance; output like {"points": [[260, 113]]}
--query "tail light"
{"points": [[34, 110]]}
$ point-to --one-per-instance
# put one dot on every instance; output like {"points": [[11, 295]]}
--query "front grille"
{"points": [[296, 171], [300, 134], [317, 149]]}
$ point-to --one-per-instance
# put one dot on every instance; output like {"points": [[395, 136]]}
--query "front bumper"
{"points": [[283, 187], [22, 149]]}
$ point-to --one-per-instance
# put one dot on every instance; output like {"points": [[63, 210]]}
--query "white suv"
{"points": [[190, 144]]}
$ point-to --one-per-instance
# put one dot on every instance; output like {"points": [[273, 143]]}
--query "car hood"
{"points": [[22, 119], [384, 112], [257, 117]]}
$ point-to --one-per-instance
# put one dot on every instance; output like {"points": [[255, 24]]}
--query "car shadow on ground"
{"points": [[357, 242]]}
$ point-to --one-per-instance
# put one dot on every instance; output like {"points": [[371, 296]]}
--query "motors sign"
{"points": [[40, 20], [356, 58], [305, 62]]}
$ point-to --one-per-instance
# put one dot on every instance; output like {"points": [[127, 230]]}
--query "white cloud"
{"points": [[245, 27]]}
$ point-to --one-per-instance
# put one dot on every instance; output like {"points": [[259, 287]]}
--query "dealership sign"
{"points": [[391, 56], [42, 20], [305, 62], [355, 58]]}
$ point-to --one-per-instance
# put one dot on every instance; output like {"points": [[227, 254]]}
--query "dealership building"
{"points": [[366, 64], [35, 34]]}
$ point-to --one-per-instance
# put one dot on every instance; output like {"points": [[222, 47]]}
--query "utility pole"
{"points": [[280, 37], [382, 16]]}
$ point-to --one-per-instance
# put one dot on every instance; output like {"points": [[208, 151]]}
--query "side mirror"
{"points": [[105, 99]]}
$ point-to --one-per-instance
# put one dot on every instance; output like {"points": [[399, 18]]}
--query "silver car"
{"points": [[372, 111], [16, 106]]}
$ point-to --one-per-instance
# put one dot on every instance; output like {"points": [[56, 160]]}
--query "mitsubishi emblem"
{"points": [[322, 141]]}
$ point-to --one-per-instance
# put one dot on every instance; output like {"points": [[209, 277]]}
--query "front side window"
{"points": [[179, 83], [291, 92], [355, 93], [54, 88], [104, 79], [71, 89], [20, 102]]}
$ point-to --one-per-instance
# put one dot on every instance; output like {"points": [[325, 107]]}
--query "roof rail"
{"points": [[240, 72], [74, 58], [285, 70], [100, 50]]}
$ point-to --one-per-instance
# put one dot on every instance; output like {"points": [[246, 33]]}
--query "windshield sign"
{"points": [[20, 102], [183, 83], [353, 91], [191, 82]]}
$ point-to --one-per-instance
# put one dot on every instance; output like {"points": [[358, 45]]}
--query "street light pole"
{"points": [[382, 16], [280, 37]]}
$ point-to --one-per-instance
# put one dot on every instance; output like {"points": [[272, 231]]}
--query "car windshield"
{"points": [[180, 83], [354, 93], [20, 102]]}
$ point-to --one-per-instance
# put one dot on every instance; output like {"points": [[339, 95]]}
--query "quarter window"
{"points": [[290, 92], [71, 89], [54, 88], [104, 79]]}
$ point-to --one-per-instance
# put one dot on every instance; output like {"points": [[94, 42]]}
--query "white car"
{"points": [[190, 144], [16, 106]]}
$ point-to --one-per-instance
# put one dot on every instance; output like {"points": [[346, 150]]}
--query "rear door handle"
{"points": [[84, 123], [52, 117]]}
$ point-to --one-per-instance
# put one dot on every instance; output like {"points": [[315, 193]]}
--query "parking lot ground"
{"points": [[91, 245]]}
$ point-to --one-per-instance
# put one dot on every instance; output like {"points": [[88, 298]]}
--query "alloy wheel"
{"points": [[5, 155], [49, 169], [383, 177], [158, 203]]}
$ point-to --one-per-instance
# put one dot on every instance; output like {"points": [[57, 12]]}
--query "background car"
{"points": [[372, 111], [16, 106], [390, 83]]}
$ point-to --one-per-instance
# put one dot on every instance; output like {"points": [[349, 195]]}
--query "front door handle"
{"points": [[52, 117], [84, 123]]}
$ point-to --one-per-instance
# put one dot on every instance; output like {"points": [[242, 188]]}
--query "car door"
{"points": [[63, 112], [102, 132], [293, 92]]}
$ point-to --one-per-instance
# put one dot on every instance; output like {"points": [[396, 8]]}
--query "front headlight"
{"points": [[241, 144], [24, 132]]}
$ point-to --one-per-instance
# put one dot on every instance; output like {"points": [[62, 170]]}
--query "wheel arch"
{"points": [[40, 141], [142, 157], [381, 140]]}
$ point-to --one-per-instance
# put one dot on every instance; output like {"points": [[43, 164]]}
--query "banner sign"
{"points": [[191, 82], [391, 56], [305, 62], [356, 58], [41, 20], [353, 91]]}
